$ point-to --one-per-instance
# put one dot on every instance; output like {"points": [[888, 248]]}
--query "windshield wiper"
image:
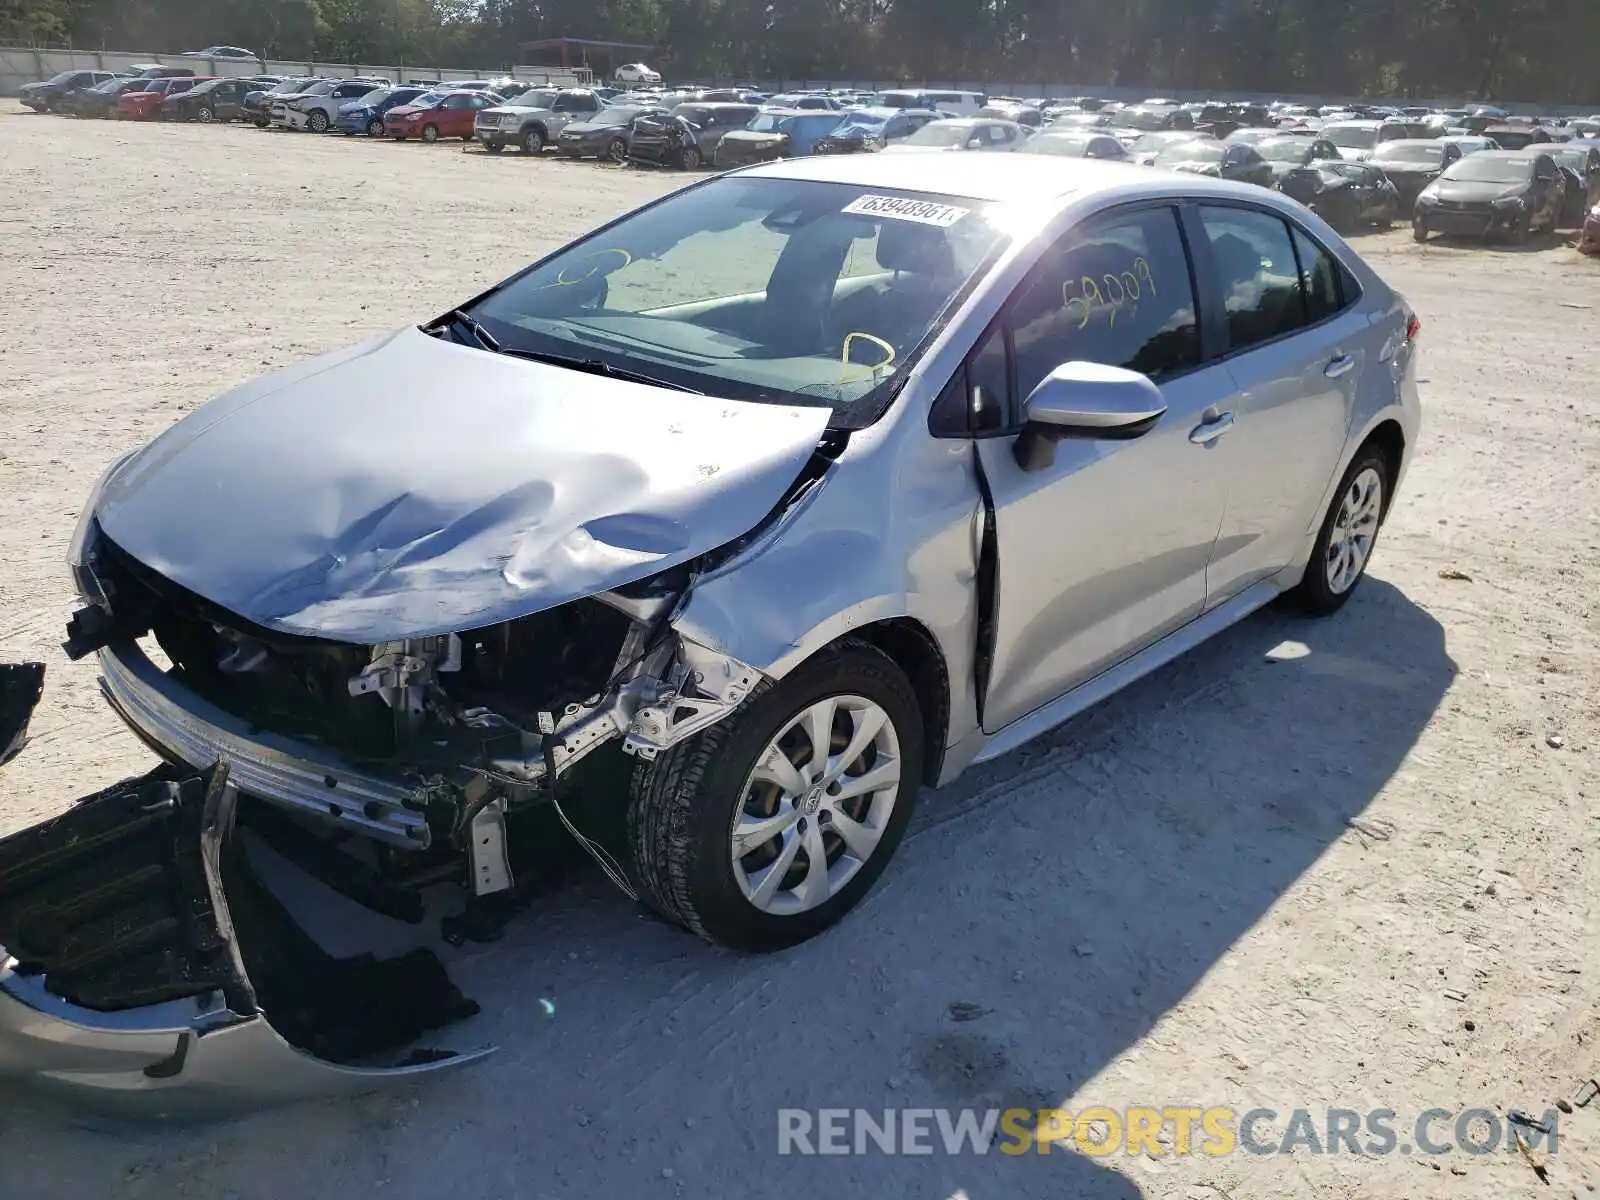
{"points": [[472, 325], [595, 366]]}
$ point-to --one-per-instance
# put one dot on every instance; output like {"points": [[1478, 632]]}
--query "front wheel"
{"points": [[317, 122], [690, 158], [430, 134], [617, 151], [1349, 532], [493, 147], [533, 141], [1419, 230], [768, 828]]}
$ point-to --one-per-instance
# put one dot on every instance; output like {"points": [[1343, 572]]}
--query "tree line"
{"points": [[1537, 50]]}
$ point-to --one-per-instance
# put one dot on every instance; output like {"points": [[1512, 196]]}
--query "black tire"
{"points": [[493, 147], [1314, 595], [430, 134], [533, 141], [375, 127], [205, 114], [690, 159], [1419, 230], [1517, 234], [616, 151], [317, 122], [683, 805]]}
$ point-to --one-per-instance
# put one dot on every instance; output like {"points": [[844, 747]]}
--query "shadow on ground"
{"points": [[1071, 893]]}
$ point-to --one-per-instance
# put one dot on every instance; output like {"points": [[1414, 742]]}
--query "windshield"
{"points": [[1205, 152], [426, 100], [1285, 150], [1351, 137], [766, 123], [1137, 118], [1427, 155], [1482, 168], [937, 133], [1078, 121], [61, 78], [1573, 160], [376, 96], [864, 122], [619, 114], [1154, 143], [536, 100], [751, 288], [901, 100]]}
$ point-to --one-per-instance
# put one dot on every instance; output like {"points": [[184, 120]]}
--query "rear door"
{"points": [[1104, 550], [1296, 345]]}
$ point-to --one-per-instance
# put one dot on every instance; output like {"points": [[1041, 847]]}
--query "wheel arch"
{"points": [[1390, 439], [911, 646]]}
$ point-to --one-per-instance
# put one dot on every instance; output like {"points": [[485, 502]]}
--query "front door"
{"points": [[1105, 550]]}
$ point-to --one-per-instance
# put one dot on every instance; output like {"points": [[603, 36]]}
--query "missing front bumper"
{"points": [[144, 969]]}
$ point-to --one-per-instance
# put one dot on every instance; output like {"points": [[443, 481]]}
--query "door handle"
{"points": [[1207, 432], [1342, 365]]}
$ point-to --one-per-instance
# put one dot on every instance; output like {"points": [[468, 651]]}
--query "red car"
{"points": [[141, 106], [444, 115]]}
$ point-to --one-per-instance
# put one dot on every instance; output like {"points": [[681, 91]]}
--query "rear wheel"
{"points": [[1349, 532], [493, 147], [768, 828]]}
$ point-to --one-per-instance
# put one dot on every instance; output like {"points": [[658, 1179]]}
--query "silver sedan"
{"points": [[795, 491]]}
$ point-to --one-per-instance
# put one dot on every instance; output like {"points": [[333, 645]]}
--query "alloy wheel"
{"points": [[815, 805], [1360, 510]]}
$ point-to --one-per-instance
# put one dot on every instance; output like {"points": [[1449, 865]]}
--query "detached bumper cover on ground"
{"points": [[140, 959]]}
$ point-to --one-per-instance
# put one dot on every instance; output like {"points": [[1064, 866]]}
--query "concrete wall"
{"points": [[20, 65]]}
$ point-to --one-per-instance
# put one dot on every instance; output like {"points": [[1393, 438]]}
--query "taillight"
{"points": [[1413, 327]]}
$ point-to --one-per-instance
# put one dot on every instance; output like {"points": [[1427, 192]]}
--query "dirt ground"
{"points": [[1347, 864]]}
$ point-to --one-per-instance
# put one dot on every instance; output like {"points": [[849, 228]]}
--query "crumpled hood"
{"points": [[410, 486]]}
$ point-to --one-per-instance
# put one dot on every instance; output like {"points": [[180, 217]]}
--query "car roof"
{"points": [[1393, 142], [1503, 154], [1004, 176]]}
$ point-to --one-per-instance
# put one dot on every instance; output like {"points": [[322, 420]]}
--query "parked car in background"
{"points": [[1237, 162], [48, 95], [157, 71], [101, 100], [637, 73], [1144, 149], [802, 102], [1516, 137], [535, 119], [1128, 125], [1014, 111], [1080, 120], [688, 136], [315, 109], [1411, 164], [1255, 135], [963, 133], [145, 104], [1468, 143], [258, 105], [956, 103], [1493, 193], [604, 135], [1357, 140], [1285, 154], [774, 134], [1068, 143], [213, 100], [364, 115], [234, 53], [1579, 163], [870, 129], [445, 115], [1347, 195]]}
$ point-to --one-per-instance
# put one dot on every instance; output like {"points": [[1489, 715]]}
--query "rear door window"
{"points": [[1257, 273]]}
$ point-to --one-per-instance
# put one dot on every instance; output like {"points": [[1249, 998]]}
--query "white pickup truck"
{"points": [[535, 118]]}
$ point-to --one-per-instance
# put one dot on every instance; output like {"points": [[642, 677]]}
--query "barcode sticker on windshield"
{"points": [[899, 208]]}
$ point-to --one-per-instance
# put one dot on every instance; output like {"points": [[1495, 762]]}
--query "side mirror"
{"points": [[1087, 401]]}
